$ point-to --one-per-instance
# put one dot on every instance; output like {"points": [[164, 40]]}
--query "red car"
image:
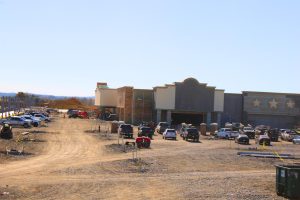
{"points": [[83, 115], [143, 142]]}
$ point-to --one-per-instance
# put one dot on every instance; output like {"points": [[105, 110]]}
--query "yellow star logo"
{"points": [[273, 104]]}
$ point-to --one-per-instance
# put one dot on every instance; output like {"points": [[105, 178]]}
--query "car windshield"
{"points": [[171, 131], [192, 130], [146, 129], [164, 124], [126, 127]]}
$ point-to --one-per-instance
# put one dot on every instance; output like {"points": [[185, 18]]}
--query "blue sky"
{"points": [[63, 47]]}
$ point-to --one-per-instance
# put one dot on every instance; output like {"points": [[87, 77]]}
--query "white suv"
{"points": [[169, 133]]}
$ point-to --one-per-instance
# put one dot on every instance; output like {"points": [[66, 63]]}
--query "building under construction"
{"points": [[193, 102]]}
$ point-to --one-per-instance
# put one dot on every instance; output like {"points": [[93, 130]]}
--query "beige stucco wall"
{"points": [[97, 97], [219, 101], [106, 97], [165, 98]]}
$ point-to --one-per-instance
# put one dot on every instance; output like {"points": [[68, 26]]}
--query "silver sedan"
{"points": [[296, 139]]}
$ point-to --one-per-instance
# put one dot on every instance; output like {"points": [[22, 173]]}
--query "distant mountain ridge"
{"points": [[4, 94], [43, 96]]}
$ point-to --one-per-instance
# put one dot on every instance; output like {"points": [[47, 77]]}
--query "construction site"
{"points": [[83, 159]]}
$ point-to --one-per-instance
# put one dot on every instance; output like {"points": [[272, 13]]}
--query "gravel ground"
{"points": [[70, 162]]}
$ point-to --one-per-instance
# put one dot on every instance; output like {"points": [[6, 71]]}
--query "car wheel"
{"points": [[26, 126], [146, 145], [35, 124]]}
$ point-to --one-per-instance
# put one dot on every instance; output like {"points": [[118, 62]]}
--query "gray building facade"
{"points": [[278, 110], [233, 108]]}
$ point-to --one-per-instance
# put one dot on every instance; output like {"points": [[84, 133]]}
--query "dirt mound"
{"points": [[70, 103]]}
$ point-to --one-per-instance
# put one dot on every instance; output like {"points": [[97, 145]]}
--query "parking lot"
{"points": [[67, 161]]}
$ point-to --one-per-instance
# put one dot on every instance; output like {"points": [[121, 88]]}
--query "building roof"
{"points": [[276, 93]]}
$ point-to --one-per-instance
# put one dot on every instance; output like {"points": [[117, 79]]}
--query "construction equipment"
{"points": [[6, 132]]}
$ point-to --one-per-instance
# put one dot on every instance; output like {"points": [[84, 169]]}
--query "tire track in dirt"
{"points": [[69, 147]]}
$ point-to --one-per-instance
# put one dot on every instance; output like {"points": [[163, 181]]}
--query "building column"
{"points": [[169, 118], [158, 116], [208, 119], [219, 117]]}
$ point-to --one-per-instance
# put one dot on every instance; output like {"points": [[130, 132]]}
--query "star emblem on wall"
{"points": [[290, 104], [256, 103], [273, 104]]}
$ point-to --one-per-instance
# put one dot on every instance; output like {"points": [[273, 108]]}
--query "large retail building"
{"points": [[193, 102]]}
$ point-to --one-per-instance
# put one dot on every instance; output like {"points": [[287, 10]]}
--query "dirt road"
{"points": [[77, 165]]}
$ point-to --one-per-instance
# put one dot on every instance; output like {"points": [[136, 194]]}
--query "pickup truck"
{"points": [[227, 133], [161, 127], [249, 131], [125, 130], [190, 133], [146, 132]]}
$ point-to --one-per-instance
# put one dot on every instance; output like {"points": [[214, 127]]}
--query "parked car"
{"points": [[18, 122], [42, 117], [146, 132], [169, 134], [296, 139], [273, 135], [227, 133], [143, 142], [182, 127], [34, 122], [234, 126], [83, 114], [288, 135], [34, 113], [111, 117], [73, 113], [262, 129], [161, 127], [263, 140], [147, 124], [191, 134], [242, 139], [281, 131], [249, 131], [297, 131], [125, 130]]}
